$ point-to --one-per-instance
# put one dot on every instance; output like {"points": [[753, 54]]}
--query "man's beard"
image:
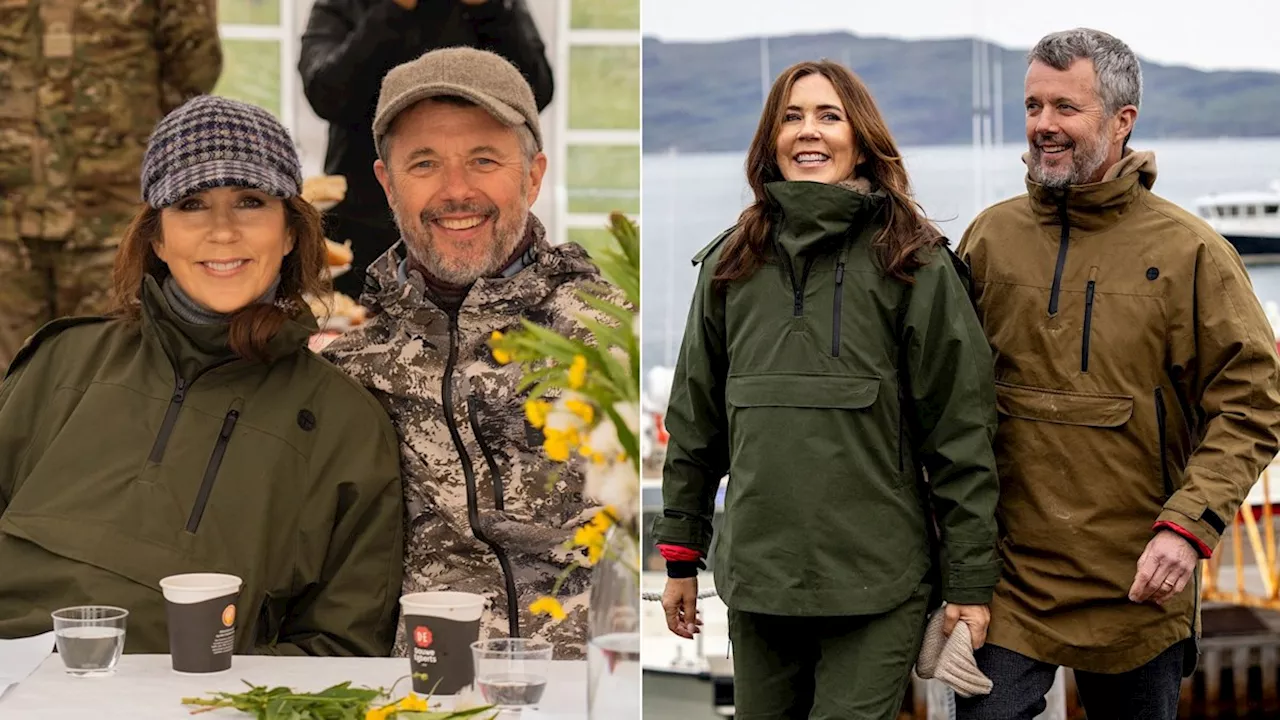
{"points": [[463, 268], [1085, 161]]}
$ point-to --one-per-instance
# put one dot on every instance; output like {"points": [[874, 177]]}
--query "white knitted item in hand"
{"points": [[950, 659]]}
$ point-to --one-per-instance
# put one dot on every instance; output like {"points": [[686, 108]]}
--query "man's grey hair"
{"points": [[528, 144], [1119, 75]]}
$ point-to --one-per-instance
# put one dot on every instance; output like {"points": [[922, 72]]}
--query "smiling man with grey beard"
{"points": [[1136, 380], [461, 162]]}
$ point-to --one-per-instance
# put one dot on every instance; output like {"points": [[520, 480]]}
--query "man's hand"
{"points": [[1164, 568], [977, 617], [406, 4], [680, 603]]}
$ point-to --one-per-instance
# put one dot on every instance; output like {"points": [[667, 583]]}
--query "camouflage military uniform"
{"points": [[82, 83], [475, 425]]}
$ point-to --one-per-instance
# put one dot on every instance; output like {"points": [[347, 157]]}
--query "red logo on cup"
{"points": [[422, 636], [229, 616]]}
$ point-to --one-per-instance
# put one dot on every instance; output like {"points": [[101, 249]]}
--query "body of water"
{"points": [[690, 199]]}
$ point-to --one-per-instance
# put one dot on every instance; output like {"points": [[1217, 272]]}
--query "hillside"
{"points": [[706, 97]]}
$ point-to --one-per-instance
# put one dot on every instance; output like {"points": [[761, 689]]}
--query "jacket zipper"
{"points": [[498, 493], [180, 388], [1062, 256], [835, 315], [211, 472], [1161, 425], [797, 289], [469, 474], [170, 419], [1088, 322]]}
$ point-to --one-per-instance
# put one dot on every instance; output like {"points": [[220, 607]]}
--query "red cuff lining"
{"points": [[679, 553], [1204, 550]]}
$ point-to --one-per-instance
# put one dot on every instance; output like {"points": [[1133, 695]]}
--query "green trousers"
{"points": [[825, 668]]}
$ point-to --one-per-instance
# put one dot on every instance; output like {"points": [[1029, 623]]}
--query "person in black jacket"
{"points": [[349, 45]]}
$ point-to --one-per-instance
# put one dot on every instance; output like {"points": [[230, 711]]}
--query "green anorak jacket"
{"points": [[823, 388], [135, 449]]}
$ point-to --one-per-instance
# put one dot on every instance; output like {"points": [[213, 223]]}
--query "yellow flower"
{"points": [[582, 409], [547, 605], [502, 356], [536, 411], [604, 519], [591, 537], [412, 703], [578, 372], [558, 444], [588, 535], [376, 714]]}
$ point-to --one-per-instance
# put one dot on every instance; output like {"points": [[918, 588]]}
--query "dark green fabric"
{"points": [[827, 511], [828, 668], [305, 506]]}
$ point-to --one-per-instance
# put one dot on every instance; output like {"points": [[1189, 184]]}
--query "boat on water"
{"points": [[1249, 220]]}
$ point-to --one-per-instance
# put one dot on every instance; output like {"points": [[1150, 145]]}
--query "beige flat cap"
{"points": [[950, 659], [485, 78]]}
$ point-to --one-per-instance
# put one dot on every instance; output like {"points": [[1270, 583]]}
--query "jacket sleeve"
{"points": [[190, 50], [1231, 370], [698, 445], [352, 606], [344, 56], [949, 373], [512, 34], [15, 425]]}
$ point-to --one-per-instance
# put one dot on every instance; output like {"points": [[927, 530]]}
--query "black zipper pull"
{"points": [[228, 425], [835, 313], [180, 392]]}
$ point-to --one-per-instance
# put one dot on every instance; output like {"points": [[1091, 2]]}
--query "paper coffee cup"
{"points": [[202, 620], [440, 627]]}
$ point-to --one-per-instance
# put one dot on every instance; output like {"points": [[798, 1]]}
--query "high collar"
{"points": [[814, 214], [192, 347], [1094, 206]]}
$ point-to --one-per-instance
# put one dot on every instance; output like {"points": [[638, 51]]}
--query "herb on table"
{"points": [[340, 702]]}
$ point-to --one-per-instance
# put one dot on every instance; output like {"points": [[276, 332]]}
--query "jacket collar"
{"points": [[391, 286], [192, 348], [815, 213], [1095, 206]]}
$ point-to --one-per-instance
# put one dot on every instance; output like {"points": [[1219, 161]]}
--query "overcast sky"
{"points": [[1205, 34]]}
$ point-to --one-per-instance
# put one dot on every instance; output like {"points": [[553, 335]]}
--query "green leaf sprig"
{"points": [[339, 702]]}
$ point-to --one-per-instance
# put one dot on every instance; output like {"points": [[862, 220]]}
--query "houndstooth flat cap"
{"points": [[212, 142]]}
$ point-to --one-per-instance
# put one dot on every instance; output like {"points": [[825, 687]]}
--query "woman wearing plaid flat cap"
{"points": [[193, 430]]}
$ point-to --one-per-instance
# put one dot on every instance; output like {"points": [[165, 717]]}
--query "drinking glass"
{"points": [[511, 673], [90, 638]]}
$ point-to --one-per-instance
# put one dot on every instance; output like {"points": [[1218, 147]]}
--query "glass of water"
{"points": [[90, 638], [511, 672]]}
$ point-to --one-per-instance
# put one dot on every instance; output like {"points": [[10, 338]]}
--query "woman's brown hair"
{"points": [[253, 327], [906, 229]]}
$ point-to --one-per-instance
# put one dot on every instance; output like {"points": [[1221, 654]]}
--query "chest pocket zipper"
{"points": [[838, 301], [211, 471], [1088, 319]]}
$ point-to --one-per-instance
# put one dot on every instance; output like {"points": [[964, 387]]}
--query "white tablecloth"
{"points": [[145, 687]]}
